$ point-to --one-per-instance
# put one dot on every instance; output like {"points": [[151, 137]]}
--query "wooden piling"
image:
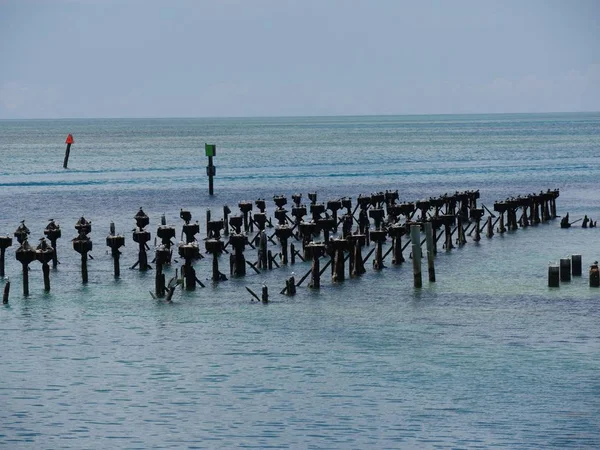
{"points": [[415, 239], [430, 253]]}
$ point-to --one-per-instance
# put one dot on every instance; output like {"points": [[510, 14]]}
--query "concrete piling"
{"points": [[115, 242], [142, 237], [316, 250], [6, 292], [357, 242], [429, 239], [379, 237], [53, 233], [5, 242], [82, 244], [44, 254], [396, 232], [166, 234], [565, 269], [25, 254], [215, 247], [576, 265], [415, 239], [22, 233], [237, 264], [553, 275], [594, 275], [339, 246]]}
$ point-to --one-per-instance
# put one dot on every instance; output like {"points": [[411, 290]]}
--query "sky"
{"points": [[232, 58]]}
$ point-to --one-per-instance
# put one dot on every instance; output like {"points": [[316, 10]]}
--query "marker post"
{"points": [[211, 170], [69, 141]]}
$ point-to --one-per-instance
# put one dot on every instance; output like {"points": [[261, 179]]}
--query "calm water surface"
{"points": [[487, 357]]}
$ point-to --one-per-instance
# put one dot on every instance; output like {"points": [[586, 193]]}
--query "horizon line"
{"points": [[300, 116]]}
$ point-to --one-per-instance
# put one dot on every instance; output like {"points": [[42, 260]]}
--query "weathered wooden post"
{"points": [[82, 244], [25, 254], [115, 242], [211, 170], [5, 242], [68, 141], [44, 254], [429, 239], [53, 233], [415, 239]]}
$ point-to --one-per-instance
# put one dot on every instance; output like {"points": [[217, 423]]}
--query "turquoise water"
{"points": [[486, 357]]}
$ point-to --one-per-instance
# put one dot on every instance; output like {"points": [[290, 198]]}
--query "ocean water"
{"points": [[486, 357]]}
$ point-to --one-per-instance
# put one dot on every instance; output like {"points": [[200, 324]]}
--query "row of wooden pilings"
{"points": [[372, 219]]}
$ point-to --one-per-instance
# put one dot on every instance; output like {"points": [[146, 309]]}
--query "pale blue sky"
{"points": [[104, 58]]}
